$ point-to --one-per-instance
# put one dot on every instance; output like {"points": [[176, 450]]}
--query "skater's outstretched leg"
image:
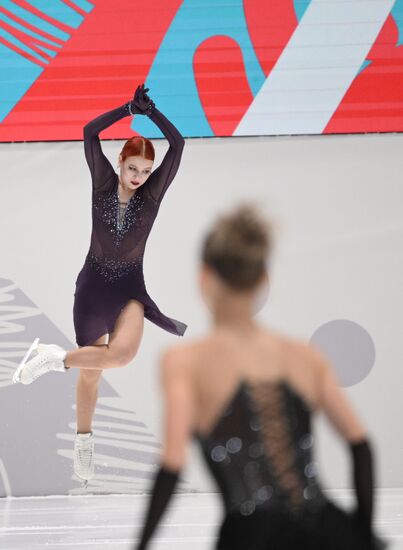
{"points": [[122, 347]]}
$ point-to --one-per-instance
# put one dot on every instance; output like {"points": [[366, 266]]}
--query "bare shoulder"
{"points": [[311, 354], [300, 354], [182, 359]]}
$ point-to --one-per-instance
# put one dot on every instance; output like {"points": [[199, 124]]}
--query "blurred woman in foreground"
{"points": [[247, 394]]}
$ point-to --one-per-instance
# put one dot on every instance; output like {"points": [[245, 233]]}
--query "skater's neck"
{"points": [[125, 194]]}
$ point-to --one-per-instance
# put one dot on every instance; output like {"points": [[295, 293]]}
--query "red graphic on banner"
{"points": [[35, 44], [271, 23], [373, 102], [219, 69], [98, 69], [221, 81], [101, 63]]}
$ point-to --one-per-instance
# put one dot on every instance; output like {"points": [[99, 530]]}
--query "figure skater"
{"points": [[247, 395], [111, 299]]}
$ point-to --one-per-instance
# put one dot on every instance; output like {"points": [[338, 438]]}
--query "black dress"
{"points": [[113, 270], [260, 453]]}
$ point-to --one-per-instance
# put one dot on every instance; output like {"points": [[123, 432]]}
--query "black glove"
{"points": [[363, 479], [164, 484], [141, 102]]}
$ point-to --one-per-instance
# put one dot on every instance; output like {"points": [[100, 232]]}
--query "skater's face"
{"points": [[134, 171]]}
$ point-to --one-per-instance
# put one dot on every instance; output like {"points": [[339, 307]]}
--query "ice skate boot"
{"points": [[84, 457], [40, 359]]}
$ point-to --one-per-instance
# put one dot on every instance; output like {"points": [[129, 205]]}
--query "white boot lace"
{"points": [[37, 367], [85, 457]]}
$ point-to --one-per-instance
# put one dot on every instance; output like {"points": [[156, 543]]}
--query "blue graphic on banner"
{"points": [[364, 65], [300, 7], [61, 12], [397, 13], [18, 72], [174, 88], [12, 85], [58, 11], [83, 4], [34, 20], [27, 31]]}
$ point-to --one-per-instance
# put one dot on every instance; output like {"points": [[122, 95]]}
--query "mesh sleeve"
{"points": [[101, 169], [162, 177]]}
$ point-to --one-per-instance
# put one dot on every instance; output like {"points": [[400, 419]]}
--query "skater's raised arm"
{"points": [[162, 177], [166, 171], [101, 169]]}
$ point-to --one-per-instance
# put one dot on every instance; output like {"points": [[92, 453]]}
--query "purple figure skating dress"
{"points": [[113, 270]]}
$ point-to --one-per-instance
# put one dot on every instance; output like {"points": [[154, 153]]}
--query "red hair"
{"points": [[138, 146]]}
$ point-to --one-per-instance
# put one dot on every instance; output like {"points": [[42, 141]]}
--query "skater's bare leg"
{"points": [[122, 347], [87, 394]]}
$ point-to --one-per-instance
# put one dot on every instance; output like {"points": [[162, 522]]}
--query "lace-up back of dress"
{"points": [[260, 451]]}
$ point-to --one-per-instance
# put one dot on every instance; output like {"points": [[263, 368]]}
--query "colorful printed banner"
{"points": [[222, 68]]}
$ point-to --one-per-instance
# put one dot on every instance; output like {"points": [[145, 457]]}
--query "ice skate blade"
{"points": [[17, 373]]}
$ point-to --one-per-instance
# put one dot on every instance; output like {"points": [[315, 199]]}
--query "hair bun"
{"points": [[238, 246]]}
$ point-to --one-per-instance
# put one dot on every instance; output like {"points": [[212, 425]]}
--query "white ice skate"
{"points": [[39, 359], [84, 457]]}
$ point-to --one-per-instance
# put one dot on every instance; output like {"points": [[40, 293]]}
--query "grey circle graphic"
{"points": [[349, 349]]}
